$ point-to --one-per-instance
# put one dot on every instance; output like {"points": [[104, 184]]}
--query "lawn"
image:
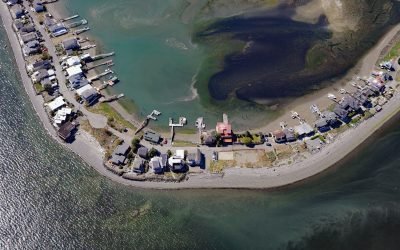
{"points": [[112, 115], [394, 52]]}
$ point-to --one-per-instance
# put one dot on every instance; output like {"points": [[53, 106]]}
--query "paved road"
{"points": [[96, 120]]}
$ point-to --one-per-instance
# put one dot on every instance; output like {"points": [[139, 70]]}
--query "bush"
{"points": [[152, 152], [247, 141]]}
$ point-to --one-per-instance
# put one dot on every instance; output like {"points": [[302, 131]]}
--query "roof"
{"points": [[329, 115], [83, 89], [321, 123], [142, 152], [71, 43], [17, 11], [279, 134], [65, 130], [122, 149], [42, 64], [29, 37], [56, 103], [117, 159], [74, 70], [152, 137], [78, 81], [180, 153], [342, 113], [303, 129], [164, 159], [155, 163], [73, 60], [224, 128], [290, 135], [138, 163], [89, 93], [27, 28]]}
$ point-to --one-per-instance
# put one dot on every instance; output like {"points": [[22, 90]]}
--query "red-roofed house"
{"points": [[225, 130]]}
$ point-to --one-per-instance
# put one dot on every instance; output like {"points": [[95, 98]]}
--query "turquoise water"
{"points": [[155, 57], [50, 199]]}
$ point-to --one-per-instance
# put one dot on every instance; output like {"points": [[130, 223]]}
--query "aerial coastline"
{"points": [[233, 177]]}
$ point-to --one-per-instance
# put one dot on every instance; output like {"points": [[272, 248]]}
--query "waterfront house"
{"points": [[279, 136], [138, 165], [11, 2], [17, 11], [195, 159], [66, 130], [73, 61], [74, 70], [56, 103], [209, 140], [290, 134], [322, 125], [58, 29], [176, 162], [41, 64], [142, 152], [61, 116], [38, 6], [27, 28], [224, 129], [152, 137], [40, 75], [26, 38], [17, 24], [49, 21], [343, 114], [120, 154], [78, 81], [164, 160], [303, 130], [71, 44], [331, 118], [88, 94], [31, 48], [155, 165]]}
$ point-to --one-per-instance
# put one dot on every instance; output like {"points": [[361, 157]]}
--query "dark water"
{"points": [[287, 58], [50, 199]]}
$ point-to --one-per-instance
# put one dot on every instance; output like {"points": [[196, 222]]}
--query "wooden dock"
{"points": [[96, 77]]}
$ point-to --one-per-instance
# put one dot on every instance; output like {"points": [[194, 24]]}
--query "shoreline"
{"points": [[234, 178]]}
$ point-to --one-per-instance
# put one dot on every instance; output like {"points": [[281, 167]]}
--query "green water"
{"points": [[155, 60]]}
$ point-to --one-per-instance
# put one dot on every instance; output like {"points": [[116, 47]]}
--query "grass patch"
{"points": [[271, 156], [114, 118], [394, 52], [38, 88], [184, 144], [219, 166]]}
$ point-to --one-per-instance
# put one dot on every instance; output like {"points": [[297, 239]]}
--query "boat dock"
{"points": [[113, 98], [147, 120], [79, 31], [102, 56], [182, 122], [69, 18], [76, 24], [96, 77], [108, 63], [88, 46], [153, 115]]}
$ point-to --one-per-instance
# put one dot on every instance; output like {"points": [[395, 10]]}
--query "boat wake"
{"points": [[193, 93], [174, 43]]}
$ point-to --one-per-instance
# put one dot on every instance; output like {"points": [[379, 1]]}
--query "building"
{"points": [[56, 103], [11, 2], [31, 48], [322, 125], [49, 21], [27, 28], [152, 137], [66, 130], [342, 114], [73, 61], [138, 165], [88, 94], [58, 29], [331, 118], [279, 136], [120, 153], [71, 44], [224, 129], [290, 135], [177, 161], [78, 81], [210, 140], [26, 38], [156, 166], [303, 130], [40, 75], [38, 6], [195, 159], [42, 64], [164, 160], [142, 152], [17, 11], [74, 70]]}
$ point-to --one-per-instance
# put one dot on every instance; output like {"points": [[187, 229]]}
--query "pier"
{"points": [[182, 122], [112, 98], [96, 77], [69, 18], [79, 31], [76, 24], [102, 56], [108, 63], [151, 116]]}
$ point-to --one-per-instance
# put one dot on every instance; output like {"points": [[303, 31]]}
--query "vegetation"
{"points": [[115, 120], [135, 144], [394, 52], [184, 144], [219, 166], [152, 153], [38, 88]]}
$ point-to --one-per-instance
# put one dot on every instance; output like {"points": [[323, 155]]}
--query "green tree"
{"points": [[247, 141], [152, 152]]}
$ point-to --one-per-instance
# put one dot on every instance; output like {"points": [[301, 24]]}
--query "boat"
{"points": [[113, 80]]}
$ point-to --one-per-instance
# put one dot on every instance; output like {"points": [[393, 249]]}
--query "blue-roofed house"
{"points": [[38, 6]]}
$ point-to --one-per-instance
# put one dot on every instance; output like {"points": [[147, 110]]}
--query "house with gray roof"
{"points": [[138, 165], [71, 44], [152, 137], [17, 11], [290, 134], [142, 152], [26, 38], [31, 48]]}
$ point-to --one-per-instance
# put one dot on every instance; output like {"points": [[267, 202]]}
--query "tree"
{"points": [[48, 88], [135, 144], [169, 153], [152, 152], [247, 141]]}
